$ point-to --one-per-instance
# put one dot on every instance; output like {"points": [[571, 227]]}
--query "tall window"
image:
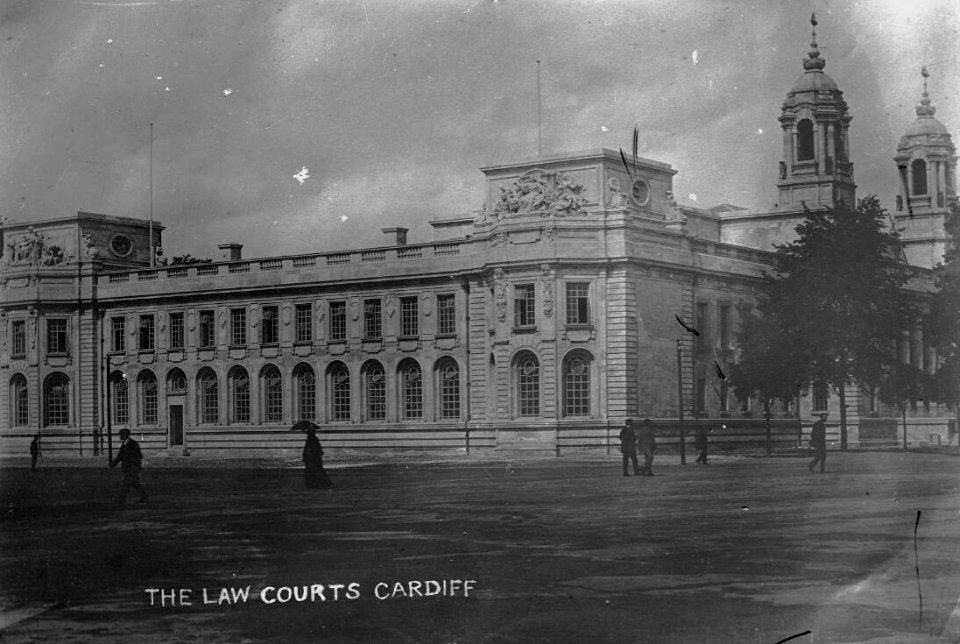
{"points": [[409, 317], [805, 140], [19, 343], [725, 326], [57, 336], [209, 398], [338, 320], [240, 395], [19, 401], [447, 314], [146, 333], [371, 319], [148, 399], [919, 171], [340, 391], [208, 337], [272, 395], [576, 386], [375, 386], [176, 382], [176, 330], [528, 385], [700, 324], [304, 324], [578, 303], [524, 305], [118, 337], [238, 327], [411, 390], [821, 397], [56, 397], [121, 400], [306, 393], [701, 395], [270, 327], [449, 375]]}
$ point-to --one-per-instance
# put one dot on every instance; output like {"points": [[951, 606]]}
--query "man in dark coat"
{"points": [[628, 447], [314, 474], [34, 452], [647, 444], [702, 442], [818, 441], [131, 459]]}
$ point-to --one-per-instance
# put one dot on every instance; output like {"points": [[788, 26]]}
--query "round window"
{"points": [[121, 245], [640, 191]]}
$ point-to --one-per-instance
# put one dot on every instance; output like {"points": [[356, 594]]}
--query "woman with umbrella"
{"points": [[313, 457]]}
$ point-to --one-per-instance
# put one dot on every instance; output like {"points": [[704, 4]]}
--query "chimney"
{"points": [[230, 251], [399, 232]]}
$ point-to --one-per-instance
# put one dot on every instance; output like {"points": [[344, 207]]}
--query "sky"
{"points": [[294, 127]]}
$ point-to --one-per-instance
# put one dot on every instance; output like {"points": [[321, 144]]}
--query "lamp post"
{"points": [[683, 448]]}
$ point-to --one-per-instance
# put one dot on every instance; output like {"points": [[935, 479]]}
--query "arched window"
{"points": [[239, 384], [448, 388], [528, 385], [209, 397], [121, 398], [919, 170], [176, 382], [306, 393], [339, 385], [374, 391], [56, 400], [411, 390], [272, 394], [19, 401], [805, 148], [148, 398], [839, 148], [576, 384]]}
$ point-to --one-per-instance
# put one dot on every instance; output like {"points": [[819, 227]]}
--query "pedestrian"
{"points": [[314, 474], [628, 447], [701, 442], [34, 452], [131, 459], [818, 441], [647, 444]]}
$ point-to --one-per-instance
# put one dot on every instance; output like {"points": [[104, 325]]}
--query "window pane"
{"points": [[121, 402], [19, 338], [524, 305], [578, 311], [409, 317], [148, 397], [528, 379], [238, 327], [340, 386], [207, 330], [117, 333], [241, 398], [56, 336], [307, 395], [338, 320], [371, 319], [449, 390], [304, 323], [447, 311], [576, 387], [376, 393], [146, 333], [57, 396], [176, 330], [270, 326], [20, 402], [209, 399], [273, 396], [411, 384]]}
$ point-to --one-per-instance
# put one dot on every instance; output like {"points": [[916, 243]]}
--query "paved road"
{"points": [[483, 550]]}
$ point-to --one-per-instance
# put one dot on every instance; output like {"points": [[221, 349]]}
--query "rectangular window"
{"points": [[578, 303], [371, 320], [447, 314], [57, 336], [176, 330], [238, 327], [338, 320], [821, 397], [725, 339], [21, 402], [409, 317], [700, 324], [19, 343], [304, 323], [149, 407], [117, 328], [207, 330], [270, 329], [146, 333], [524, 305]]}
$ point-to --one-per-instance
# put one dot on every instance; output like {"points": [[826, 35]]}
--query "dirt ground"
{"points": [[486, 549]]}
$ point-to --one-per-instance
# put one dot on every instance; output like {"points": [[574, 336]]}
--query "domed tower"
{"points": [[926, 159], [815, 171]]}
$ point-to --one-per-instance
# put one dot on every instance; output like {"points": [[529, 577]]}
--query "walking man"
{"points": [[647, 444], [34, 452], [818, 441], [131, 459], [628, 447], [701, 443]]}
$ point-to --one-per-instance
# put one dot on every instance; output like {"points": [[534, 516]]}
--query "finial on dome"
{"points": [[813, 61], [925, 108]]}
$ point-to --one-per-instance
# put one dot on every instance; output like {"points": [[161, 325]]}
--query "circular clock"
{"points": [[640, 191], [121, 245]]}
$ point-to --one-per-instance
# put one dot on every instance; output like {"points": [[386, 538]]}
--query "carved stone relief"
{"points": [[615, 196], [546, 276], [547, 193], [500, 293]]}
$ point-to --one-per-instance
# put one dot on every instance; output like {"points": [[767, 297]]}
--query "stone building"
{"points": [[544, 321]]}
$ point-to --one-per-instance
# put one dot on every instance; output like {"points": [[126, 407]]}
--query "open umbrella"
{"points": [[304, 425]]}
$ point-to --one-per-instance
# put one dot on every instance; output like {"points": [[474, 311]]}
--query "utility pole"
{"points": [[683, 447]]}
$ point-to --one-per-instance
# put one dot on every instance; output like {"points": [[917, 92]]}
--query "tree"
{"points": [[836, 298], [187, 259], [901, 386]]}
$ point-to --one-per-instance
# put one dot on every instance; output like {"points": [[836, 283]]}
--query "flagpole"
{"points": [[150, 226], [539, 116]]}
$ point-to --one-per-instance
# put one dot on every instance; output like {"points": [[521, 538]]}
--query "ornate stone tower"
{"points": [[815, 171], [927, 161]]}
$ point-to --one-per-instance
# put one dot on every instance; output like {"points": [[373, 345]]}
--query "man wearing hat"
{"points": [[818, 441], [647, 444], [131, 458]]}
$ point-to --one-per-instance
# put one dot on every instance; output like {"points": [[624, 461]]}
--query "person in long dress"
{"points": [[315, 476]]}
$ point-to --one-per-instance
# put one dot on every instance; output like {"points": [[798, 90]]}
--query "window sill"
{"points": [[524, 329]]}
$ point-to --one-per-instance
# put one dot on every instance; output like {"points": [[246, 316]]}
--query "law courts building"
{"points": [[545, 321]]}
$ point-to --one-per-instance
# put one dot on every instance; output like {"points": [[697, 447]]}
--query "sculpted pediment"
{"points": [[537, 192]]}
